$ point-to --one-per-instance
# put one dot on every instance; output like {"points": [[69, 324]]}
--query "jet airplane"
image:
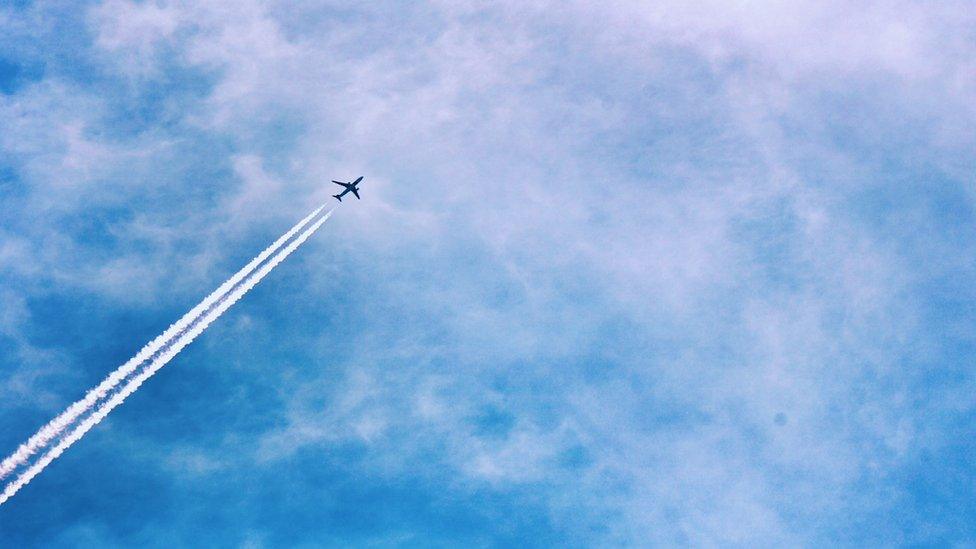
{"points": [[350, 187]]}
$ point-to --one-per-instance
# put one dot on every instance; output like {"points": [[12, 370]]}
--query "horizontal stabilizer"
{"points": [[337, 197]]}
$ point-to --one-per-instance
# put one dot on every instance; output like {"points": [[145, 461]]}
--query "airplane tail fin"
{"points": [[337, 197]]}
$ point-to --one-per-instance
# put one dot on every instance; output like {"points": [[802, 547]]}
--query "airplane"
{"points": [[350, 187]]}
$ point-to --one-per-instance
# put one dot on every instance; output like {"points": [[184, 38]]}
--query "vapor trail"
{"points": [[56, 426], [182, 341]]}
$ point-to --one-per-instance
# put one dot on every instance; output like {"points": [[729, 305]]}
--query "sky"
{"points": [[623, 274]]}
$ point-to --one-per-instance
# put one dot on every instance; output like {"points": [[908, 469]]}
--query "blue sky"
{"points": [[623, 274]]}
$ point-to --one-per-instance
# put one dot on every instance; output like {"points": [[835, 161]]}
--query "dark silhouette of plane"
{"points": [[350, 187]]}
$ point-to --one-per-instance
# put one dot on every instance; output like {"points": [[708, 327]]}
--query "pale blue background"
{"points": [[623, 273]]}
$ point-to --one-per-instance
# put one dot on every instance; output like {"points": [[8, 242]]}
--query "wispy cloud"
{"points": [[688, 273]]}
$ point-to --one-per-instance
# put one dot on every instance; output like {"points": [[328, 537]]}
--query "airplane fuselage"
{"points": [[348, 190]]}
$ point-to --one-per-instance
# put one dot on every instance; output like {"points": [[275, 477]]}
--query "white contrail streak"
{"points": [[132, 385], [56, 426]]}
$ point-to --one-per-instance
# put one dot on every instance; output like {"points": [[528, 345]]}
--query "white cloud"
{"points": [[557, 172], [489, 143], [132, 32]]}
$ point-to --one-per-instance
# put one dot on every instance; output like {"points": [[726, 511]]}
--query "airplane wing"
{"points": [[340, 183], [355, 192]]}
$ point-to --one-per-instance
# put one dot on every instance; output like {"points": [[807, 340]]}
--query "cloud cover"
{"points": [[690, 273]]}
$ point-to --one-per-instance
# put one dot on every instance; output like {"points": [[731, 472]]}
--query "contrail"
{"points": [[171, 351], [57, 426]]}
